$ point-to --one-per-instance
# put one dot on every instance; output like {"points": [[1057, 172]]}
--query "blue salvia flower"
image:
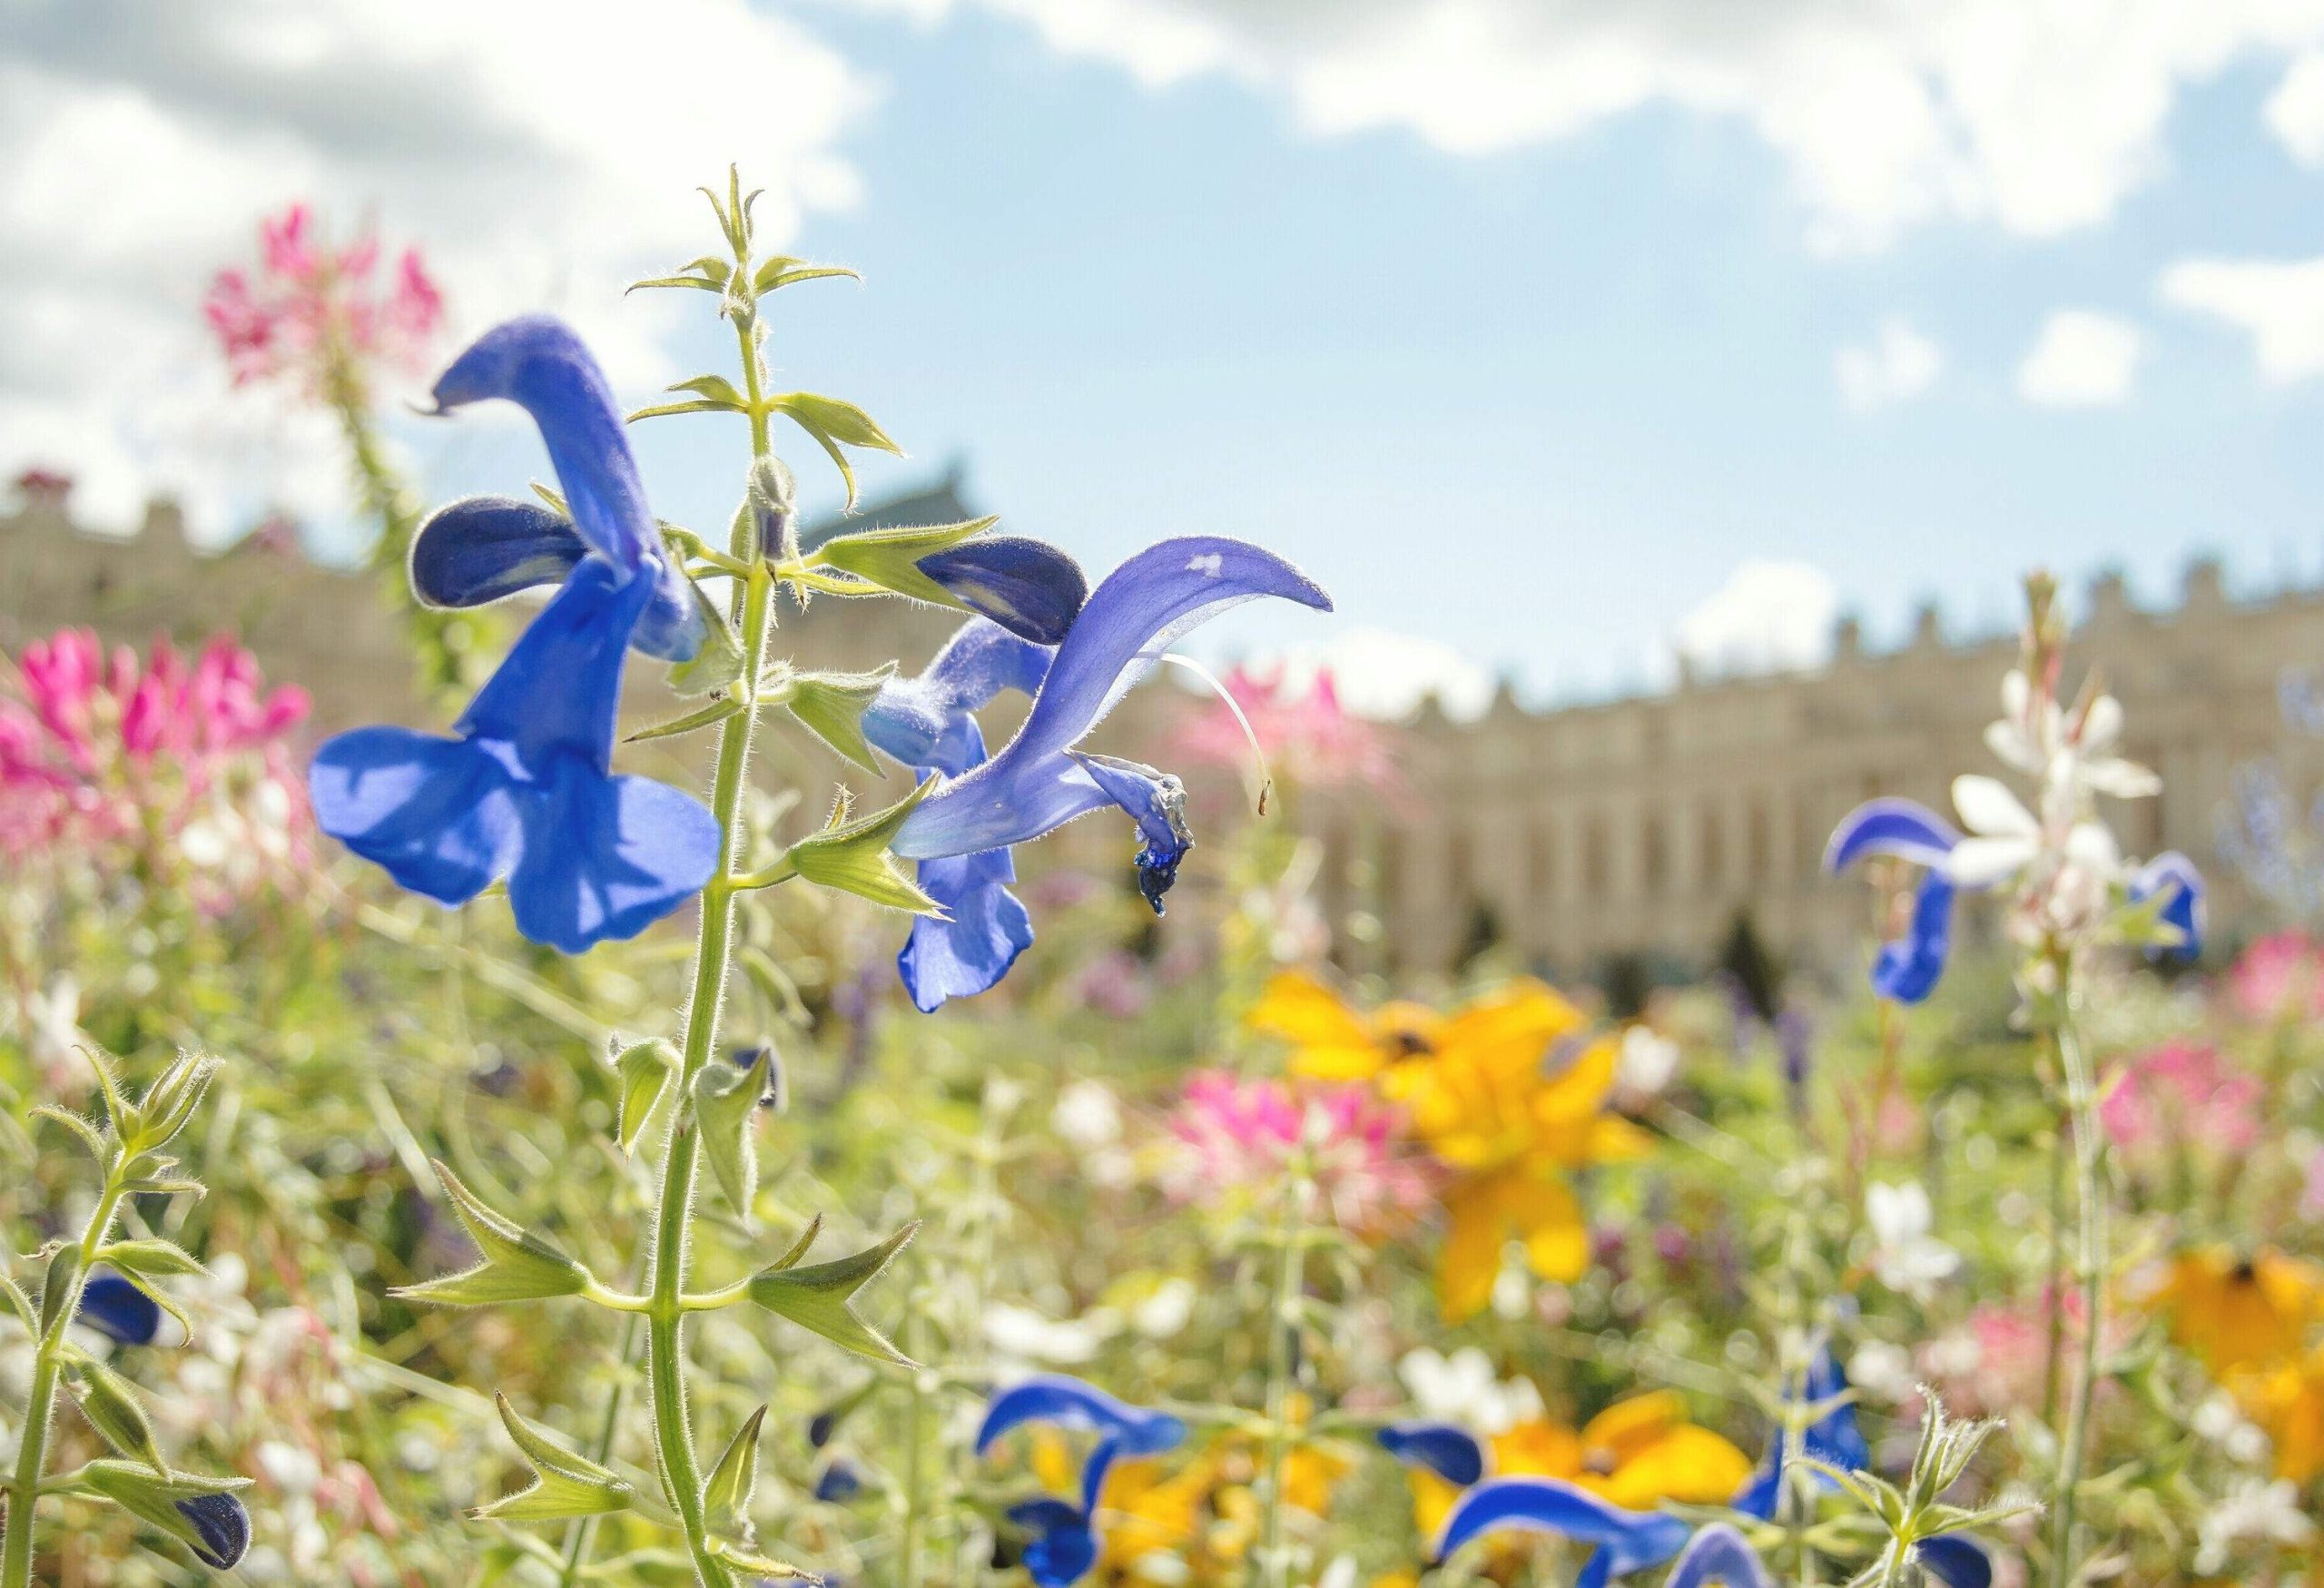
{"points": [[1446, 1449], [1718, 1553], [840, 1481], [1041, 779], [526, 790], [1835, 1439], [1906, 969], [224, 1525], [1028, 587], [119, 1310], [2185, 909], [1626, 1541], [1064, 1546]]}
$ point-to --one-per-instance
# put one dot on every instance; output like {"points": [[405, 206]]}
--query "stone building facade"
{"points": [[1640, 826]]}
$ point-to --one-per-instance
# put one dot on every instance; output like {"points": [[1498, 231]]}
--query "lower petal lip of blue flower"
{"points": [[1955, 1561], [1069, 1403], [1909, 969], [985, 928], [1626, 1541], [119, 1310], [1718, 1553], [224, 1525], [1063, 1546], [1449, 1451]]}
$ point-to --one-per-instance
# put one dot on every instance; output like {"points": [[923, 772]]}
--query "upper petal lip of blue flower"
{"points": [[115, 1307], [2185, 908], [1069, 1403], [1028, 587], [1033, 786], [224, 1524], [1626, 1541], [1718, 1553], [1446, 1449]]}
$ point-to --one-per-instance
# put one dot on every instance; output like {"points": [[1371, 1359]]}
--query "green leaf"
{"points": [[151, 1258], [890, 559], [112, 1406], [834, 425], [831, 705], [565, 1482], [92, 1135], [726, 1494], [709, 272], [726, 1103], [518, 1265], [152, 1498], [710, 715], [20, 1304], [716, 388], [692, 404], [853, 857], [645, 1069], [782, 271], [820, 1296]]}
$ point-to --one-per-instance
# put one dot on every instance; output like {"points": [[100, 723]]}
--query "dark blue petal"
{"points": [[1902, 828], [821, 1428], [1836, 1438], [606, 857], [2174, 870], [1064, 1546], [926, 722], [839, 1481], [1067, 1403], [1718, 1554], [985, 928], [1627, 1541], [438, 813], [1452, 1452], [1133, 615], [1028, 587], [114, 1307], [1909, 968], [1158, 802], [674, 625], [559, 689], [224, 1525], [538, 363], [1955, 1561], [482, 548]]}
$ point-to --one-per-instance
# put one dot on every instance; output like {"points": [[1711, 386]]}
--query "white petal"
{"points": [[2017, 690], [1987, 806], [2101, 725], [1980, 862], [2125, 779], [2010, 746], [2091, 846]]}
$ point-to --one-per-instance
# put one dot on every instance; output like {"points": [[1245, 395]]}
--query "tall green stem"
{"points": [[32, 1449], [2081, 1103]]}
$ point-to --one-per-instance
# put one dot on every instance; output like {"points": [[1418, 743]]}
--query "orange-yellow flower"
{"points": [[2286, 1401], [2235, 1314], [1329, 1039]]}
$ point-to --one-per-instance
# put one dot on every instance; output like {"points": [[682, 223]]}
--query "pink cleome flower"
{"points": [[100, 748], [2280, 975], [1238, 1135], [306, 306], [1306, 730], [2181, 1092]]}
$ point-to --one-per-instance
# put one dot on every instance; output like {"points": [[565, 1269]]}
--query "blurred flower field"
{"points": [[629, 1221]]}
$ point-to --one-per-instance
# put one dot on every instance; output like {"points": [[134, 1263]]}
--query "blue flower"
{"points": [[1450, 1451], [1835, 1439], [1028, 587], [839, 1481], [526, 790], [1064, 1546], [1718, 1553], [1907, 968], [2185, 909], [118, 1309], [224, 1523], [1042, 780], [1627, 1541]]}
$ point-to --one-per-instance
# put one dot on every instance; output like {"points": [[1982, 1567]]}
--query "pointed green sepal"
{"points": [[726, 1100], [644, 1070], [518, 1265], [890, 559], [168, 1104], [852, 855], [835, 425], [709, 273], [726, 1493], [151, 1258], [717, 663], [797, 1251], [153, 1497], [59, 1288], [123, 1113], [113, 1410], [820, 1296], [706, 716], [89, 1133], [831, 705], [565, 1482], [765, 1567], [782, 271]]}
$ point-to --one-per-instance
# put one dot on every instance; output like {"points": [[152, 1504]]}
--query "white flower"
{"points": [[1166, 1311], [1023, 1335], [2255, 1510], [1087, 1116], [1646, 1062], [1460, 1388], [1881, 1371], [1905, 1256]]}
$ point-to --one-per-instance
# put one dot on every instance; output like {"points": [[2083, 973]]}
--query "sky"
{"points": [[1555, 337]]}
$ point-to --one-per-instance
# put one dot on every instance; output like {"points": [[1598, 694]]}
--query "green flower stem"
{"points": [[1282, 1324], [2082, 1102], [31, 1450]]}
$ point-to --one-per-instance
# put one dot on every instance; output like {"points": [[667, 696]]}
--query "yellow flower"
{"points": [[2288, 1402], [1636, 1453], [1330, 1040], [2234, 1315]]}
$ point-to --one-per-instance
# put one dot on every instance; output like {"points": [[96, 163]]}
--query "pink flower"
{"points": [[1305, 732], [2280, 975], [316, 315], [2181, 1092], [1996, 1361], [1238, 1135]]}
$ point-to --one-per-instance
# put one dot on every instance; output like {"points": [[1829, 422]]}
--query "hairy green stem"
{"points": [[32, 1449], [2082, 1102]]}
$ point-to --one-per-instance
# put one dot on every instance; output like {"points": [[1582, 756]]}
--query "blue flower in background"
{"points": [[526, 790], [1450, 1451], [1627, 1541], [1908, 968], [1040, 780], [1718, 1553], [1064, 1544], [839, 1482], [119, 1310], [2185, 909], [1835, 1439]]}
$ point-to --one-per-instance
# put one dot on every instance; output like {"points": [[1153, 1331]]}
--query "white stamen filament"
{"points": [[1266, 777]]}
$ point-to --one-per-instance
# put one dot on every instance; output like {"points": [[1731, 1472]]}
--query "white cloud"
{"points": [[2279, 301], [2037, 116], [1385, 674], [2295, 110], [542, 152], [1769, 616], [2080, 359], [1897, 365]]}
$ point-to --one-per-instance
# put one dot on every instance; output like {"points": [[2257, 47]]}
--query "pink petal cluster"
{"points": [[98, 747], [1238, 1135], [1996, 1361], [1304, 730], [2279, 976], [309, 307], [2183, 1092]]}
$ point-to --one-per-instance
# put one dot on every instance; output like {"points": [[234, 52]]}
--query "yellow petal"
{"points": [[1629, 1427], [1328, 1040], [1537, 1448], [1471, 1260], [1557, 1240], [1691, 1466]]}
